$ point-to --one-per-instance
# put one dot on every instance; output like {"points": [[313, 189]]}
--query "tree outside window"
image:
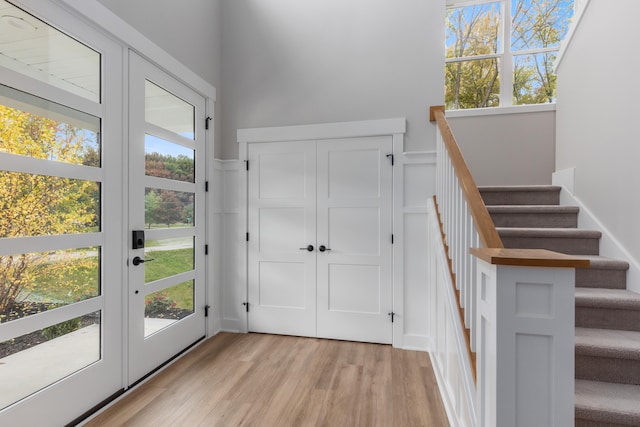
{"points": [[493, 61]]}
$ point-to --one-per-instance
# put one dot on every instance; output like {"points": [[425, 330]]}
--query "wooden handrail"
{"points": [[484, 224], [529, 258]]}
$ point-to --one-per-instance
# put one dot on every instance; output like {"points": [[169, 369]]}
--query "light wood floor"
{"points": [[269, 380]]}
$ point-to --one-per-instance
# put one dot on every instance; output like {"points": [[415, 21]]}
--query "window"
{"points": [[501, 53], [51, 206]]}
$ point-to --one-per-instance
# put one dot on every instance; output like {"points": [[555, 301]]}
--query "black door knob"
{"points": [[323, 248], [137, 260], [308, 248]]}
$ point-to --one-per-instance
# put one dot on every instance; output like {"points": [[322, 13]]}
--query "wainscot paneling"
{"points": [[418, 186]]}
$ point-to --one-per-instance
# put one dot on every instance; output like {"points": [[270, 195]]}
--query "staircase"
{"points": [[607, 340]]}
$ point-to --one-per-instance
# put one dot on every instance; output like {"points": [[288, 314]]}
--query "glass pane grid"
{"points": [[170, 257], [473, 30], [534, 81], [169, 112], [36, 282], [472, 84], [166, 307], [36, 49], [39, 205], [167, 208], [34, 127], [36, 360], [539, 24], [164, 159]]}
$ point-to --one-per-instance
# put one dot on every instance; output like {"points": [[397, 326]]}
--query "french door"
{"points": [[320, 229], [166, 291], [80, 298], [61, 248]]}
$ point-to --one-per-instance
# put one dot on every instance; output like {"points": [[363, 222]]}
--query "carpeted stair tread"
{"points": [[619, 299], [543, 216], [604, 263], [608, 355], [521, 195], [570, 241], [541, 209], [603, 273], [574, 233], [608, 343], [518, 188], [607, 315], [607, 402]]}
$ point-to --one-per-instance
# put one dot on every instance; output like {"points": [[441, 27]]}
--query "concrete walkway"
{"points": [[32, 369], [35, 368]]}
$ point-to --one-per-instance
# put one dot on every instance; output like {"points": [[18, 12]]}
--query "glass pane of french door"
{"points": [[166, 203]]}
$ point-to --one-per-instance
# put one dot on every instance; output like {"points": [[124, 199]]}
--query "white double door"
{"points": [[320, 238]]}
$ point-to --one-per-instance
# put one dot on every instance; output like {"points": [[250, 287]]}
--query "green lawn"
{"points": [[73, 279], [168, 263]]}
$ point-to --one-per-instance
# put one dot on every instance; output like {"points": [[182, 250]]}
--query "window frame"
{"points": [[505, 64]]}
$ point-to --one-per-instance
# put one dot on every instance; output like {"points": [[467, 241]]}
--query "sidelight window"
{"points": [[51, 199]]}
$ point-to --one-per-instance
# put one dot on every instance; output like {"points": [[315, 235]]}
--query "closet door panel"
{"points": [[282, 224], [354, 225]]}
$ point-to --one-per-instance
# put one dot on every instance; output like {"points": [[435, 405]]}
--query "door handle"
{"points": [[308, 248], [137, 260], [323, 248]]}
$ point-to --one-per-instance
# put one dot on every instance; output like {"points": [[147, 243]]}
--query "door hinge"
{"points": [[206, 122], [206, 249], [206, 310], [206, 186], [246, 306], [247, 236], [392, 314], [246, 164], [392, 157], [392, 239]]}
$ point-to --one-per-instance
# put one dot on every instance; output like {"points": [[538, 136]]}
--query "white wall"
{"points": [[292, 62], [508, 149], [597, 117], [189, 31]]}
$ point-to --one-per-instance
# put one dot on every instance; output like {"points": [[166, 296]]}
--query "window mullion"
{"points": [[506, 64], [472, 58], [536, 51]]}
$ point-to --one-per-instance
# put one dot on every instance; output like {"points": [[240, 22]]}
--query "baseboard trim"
{"points": [[449, 407], [416, 342]]}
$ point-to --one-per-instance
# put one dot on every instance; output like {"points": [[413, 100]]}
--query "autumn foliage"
{"points": [[163, 206], [475, 40], [39, 205]]}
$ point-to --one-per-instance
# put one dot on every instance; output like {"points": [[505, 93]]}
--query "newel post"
{"points": [[525, 340]]}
